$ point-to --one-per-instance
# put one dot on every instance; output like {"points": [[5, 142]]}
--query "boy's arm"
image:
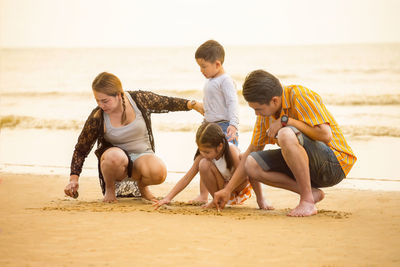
{"points": [[231, 102], [181, 184]]}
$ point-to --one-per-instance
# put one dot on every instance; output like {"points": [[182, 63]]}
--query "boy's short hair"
{"points": [[261, 86], [211, 51]]}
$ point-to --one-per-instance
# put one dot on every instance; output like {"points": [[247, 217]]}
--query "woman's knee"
{"points": [[152, 168], [113, 158], [158, 175]]}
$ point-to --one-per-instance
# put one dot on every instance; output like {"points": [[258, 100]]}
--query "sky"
{"points": [[126, 23]]}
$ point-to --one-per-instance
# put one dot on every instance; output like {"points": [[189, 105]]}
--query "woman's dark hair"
{"points": [[210, 51], [211, 135], [261, 86]]}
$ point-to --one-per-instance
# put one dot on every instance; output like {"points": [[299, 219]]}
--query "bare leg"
{"points": [[297, 160], [277, 179], [203, 196], [262, 203], [148, 170], [211, 177], [113, 164]]}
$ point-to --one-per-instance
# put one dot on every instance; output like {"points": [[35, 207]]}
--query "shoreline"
{"points": [[40, 226], [34, 151]]}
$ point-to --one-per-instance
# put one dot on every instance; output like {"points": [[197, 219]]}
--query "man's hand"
{"points": [[221, 198], [231, 133], [274, 128]]}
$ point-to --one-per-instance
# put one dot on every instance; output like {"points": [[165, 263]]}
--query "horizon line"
{"points": [[190, 46]]}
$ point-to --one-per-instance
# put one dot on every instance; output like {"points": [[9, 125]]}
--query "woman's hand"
{"points": [[161, 202], [72, 188]]}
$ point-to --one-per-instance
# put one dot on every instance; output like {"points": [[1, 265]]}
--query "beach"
{"points": [[45, 98], [41, 227]]}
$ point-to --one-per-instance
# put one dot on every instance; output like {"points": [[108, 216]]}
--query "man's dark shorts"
{"points": [[325, 169]]}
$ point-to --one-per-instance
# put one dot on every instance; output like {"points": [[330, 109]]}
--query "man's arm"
{"points": [[320, 132]]}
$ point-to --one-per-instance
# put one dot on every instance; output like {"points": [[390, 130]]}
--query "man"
{"points": [[313, 152]]}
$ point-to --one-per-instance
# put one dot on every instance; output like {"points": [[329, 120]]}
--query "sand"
{"points": [[39, 226]]}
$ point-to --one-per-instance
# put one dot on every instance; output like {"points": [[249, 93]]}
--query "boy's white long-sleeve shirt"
{"points": [[220, 100]]}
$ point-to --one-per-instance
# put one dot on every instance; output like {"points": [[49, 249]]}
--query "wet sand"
{"points": [[39, 226]]}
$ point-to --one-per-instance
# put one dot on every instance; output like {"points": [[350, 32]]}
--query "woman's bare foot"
{"points": [[264, 205], [146, 194], [303, 209], [318, 195], [199, 200], [109, 196]]}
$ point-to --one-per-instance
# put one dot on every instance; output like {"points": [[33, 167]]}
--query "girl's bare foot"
{"points": [[209, 205], [199, 200], [264, 205]]}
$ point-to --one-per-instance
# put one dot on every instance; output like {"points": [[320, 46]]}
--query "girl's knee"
{"points": [[204, 165]]}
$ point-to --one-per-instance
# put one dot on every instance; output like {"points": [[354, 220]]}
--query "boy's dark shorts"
{"points": [[325, 169]]}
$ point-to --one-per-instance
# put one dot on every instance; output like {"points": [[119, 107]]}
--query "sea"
{"points": [[49, 89]]}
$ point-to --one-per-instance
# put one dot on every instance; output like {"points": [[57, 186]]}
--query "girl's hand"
{"points": [[161, 202]]}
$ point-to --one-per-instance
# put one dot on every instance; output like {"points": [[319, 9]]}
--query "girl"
{"points": [[216, 160]]}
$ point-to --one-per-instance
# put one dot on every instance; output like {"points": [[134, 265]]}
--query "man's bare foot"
{"points": [[146, 194], [199, 200], [109, 197], [208, 205], [264, 205], [303, 209], [318, 195]]}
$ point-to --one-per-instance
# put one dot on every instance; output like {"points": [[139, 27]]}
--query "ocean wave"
{"points": [[240, 78], [362, 70], [26, 122], [359, 100], [338, 100]]}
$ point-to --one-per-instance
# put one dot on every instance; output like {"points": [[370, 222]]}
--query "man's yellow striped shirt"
{"points": [[304, 105]]}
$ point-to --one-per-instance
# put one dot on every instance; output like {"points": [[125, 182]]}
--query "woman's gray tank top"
{"points": [[134, 137]]}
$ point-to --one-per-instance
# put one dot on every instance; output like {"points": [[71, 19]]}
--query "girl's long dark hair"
{"points": [[211, 135]]}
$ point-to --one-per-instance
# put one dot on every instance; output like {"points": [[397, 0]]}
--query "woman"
{"points": [[125, 145]]}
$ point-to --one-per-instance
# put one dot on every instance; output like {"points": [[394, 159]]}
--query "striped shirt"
{"points": [[304, 105]]}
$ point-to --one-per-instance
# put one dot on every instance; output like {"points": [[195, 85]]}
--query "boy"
{"points": [[220, 96], [313, 151]]}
